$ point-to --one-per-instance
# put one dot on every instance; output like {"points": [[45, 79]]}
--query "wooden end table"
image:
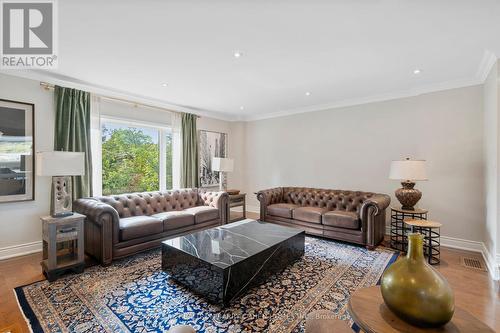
{"points": [[237, 200], [432, 239], [369, 312], [58, 230]]}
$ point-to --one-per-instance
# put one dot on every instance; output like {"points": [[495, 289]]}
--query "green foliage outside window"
{"points": [[130, 161], [168, 142]]}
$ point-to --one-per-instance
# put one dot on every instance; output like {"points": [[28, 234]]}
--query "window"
{"points": [[135, 157]]}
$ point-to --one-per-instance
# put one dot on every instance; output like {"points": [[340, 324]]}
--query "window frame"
{"points": [[163, 130]]}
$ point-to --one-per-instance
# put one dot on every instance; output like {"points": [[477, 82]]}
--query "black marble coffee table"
{"points": [[222, 262]]}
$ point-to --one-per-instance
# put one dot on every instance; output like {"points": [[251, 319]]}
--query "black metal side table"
{"points": [[432, 240], [398, 228]]}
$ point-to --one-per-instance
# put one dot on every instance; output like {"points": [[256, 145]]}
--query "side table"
{"points": [[237, 200], [398, 228], [369, 312], [432, 241], [65, 233]]}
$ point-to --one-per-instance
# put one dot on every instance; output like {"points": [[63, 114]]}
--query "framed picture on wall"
{"points": [[211, 144], [17, 163]]}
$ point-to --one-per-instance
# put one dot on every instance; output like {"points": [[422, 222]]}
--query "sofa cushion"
{"points": [[308, 214], [139, 226], [341, 219], [203, 213], [175, 219], [281, 209]]}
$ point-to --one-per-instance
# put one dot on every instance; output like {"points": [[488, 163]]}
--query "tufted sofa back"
{"points": [[148, 203], [331, 199]]}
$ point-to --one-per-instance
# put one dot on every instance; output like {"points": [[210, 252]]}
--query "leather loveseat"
{"points": [[352, 216], [120, 225]]}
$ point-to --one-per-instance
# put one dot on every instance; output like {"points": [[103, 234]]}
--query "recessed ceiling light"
{"points": [[164, 84], [237, 54], [308, 93], [242, 108], [417, 71]]}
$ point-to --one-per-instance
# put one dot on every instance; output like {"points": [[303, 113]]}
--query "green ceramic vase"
{"points": [[416, 292]]}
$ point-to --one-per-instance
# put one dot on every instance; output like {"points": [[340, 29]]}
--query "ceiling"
{"points": [[341, 51]]}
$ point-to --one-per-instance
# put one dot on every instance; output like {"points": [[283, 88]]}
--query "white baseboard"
{"points": [[20, 250], [462, 244], [493, 263]]}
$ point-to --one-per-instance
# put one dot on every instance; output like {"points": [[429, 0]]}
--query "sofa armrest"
{"points": [[269, 197], [102, 225], [216, 199], [378, 201], [372, 215], [95, 209]]}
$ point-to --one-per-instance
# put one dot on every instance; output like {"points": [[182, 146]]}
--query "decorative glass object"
{"points": [[416, 292]]}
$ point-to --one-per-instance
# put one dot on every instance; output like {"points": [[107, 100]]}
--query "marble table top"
{"points": [[229, 244]]}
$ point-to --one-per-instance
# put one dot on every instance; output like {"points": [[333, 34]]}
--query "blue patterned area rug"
{"points": [[134, 295]]}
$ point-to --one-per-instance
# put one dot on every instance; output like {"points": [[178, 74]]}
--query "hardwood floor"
{"points": [[13, 273], [474, 290]]}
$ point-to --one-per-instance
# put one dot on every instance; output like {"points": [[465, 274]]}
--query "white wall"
{"points": [[491, 106], [351, 148], [20, 226], [497, 65]]}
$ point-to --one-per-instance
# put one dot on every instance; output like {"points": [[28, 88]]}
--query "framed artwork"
{"points": [[210, 145], [17, 162]]}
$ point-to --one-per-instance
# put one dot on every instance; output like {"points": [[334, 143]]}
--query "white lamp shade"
{"points": [[60, 163], [408, 170], [222, 164]]}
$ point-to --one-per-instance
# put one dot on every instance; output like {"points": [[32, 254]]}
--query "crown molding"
{"points": [[466, 82], [61, 80], [489, 59]]}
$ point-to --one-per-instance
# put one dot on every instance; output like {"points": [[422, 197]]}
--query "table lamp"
{"points": [[222, 165], [408, 171], [60, 165]]}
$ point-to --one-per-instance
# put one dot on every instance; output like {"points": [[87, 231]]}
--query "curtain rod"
{"points": [[48, 86]]}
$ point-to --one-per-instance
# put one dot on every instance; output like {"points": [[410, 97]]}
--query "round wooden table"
{"points": [[431, 231], [369, 312]]}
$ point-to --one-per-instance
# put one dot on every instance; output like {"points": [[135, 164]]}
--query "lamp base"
{"points": [[62, 203], [408, 196], [222, 181]]}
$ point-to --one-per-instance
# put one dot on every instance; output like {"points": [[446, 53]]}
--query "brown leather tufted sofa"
{"points": [[120, 225], [352, 216]]}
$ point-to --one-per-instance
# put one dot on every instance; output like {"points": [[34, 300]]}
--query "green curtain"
{"points": [[189, 170], [72, 133]]}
